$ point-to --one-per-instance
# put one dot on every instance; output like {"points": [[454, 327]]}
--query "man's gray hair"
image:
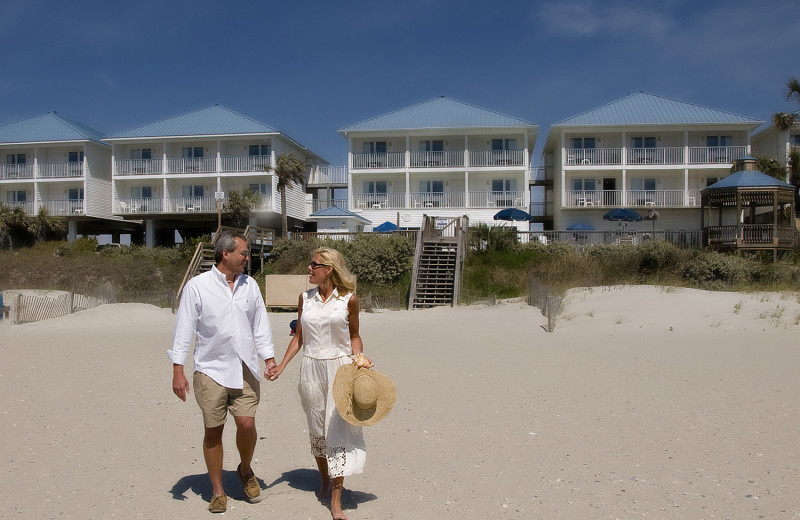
{"points": [[226, 241]]}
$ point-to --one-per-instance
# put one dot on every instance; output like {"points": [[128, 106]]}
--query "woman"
{"points": [[327, 330]]}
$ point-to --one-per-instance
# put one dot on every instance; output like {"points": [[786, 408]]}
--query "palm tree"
{"points": [[289, 170], [793, 89], [240, 205]]}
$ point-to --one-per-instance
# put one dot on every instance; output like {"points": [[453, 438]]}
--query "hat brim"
{"points": [[343, 395]]}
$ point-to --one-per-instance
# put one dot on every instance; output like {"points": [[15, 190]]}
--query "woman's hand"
{"points": [[273, 372]]}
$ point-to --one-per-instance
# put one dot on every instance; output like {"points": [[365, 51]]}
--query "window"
{"points": [[141, 154], [794, 140], [75, 157], [583, 142], [16, 196], [259, 149], [374, 147], [431, 186], [643, 142], [141, 192], [431, 146], [193, 191], [719, 140], [643, 184], [583, 185], [711, 180], [75, 194], [16, 158], [263, 189], [503, 144], [192, 152], [375, 187], [504, 185]]}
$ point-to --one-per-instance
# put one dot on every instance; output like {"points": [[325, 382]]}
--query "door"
{"points": [[610, 197]]}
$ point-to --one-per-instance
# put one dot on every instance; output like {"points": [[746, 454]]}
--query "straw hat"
{"points": [[362, 396]]}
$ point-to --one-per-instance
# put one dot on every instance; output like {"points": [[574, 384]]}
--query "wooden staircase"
{"points": [[438, 260]]}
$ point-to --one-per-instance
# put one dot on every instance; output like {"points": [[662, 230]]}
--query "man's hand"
{"points": [[269, 369], [180, 385]]}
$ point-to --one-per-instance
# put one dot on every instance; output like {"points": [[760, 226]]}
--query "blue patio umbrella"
{"points": [[512, 214], [622, 214], [580, 226], [385, 227]]}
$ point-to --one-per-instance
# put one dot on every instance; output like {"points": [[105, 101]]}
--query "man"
{"points": [[224, 312]]}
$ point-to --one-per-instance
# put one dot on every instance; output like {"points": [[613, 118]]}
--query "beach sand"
{"points": [[645, 402]]}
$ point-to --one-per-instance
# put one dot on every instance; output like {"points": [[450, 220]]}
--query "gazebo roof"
{"points": [[749, 179]]}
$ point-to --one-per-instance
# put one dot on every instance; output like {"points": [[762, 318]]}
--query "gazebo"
{"points": [[748, 210]]}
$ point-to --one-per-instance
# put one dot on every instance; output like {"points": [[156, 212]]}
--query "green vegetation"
{"points": [[384, 267], [504, 273]]}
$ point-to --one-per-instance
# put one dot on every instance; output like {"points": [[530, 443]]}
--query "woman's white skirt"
{"points": [[331, 436]]}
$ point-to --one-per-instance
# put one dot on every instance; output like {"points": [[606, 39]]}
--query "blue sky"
{"points": [[309, 68]]}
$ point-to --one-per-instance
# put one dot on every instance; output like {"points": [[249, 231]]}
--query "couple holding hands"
{"points": [[223, 312]]}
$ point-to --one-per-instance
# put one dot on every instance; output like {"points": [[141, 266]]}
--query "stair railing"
{"points": [[194, 264]]}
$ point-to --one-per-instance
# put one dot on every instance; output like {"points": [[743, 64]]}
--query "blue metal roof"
{"points": [[648, 109], [749, 179], [336, 212], [215, 120], [440, 112], [49, 127]]}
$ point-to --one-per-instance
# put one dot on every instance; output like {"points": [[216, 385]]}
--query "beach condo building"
{"points": [[172, 174], [643, 152], [53, 163], [439, 158], [774, 143]]}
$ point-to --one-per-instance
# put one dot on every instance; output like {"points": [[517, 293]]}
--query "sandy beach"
{"points": [[645, 402]]}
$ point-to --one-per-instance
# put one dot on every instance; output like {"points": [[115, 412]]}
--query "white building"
{"points": [[768, 141], [60, 165], [642, 152], [441, 158], [169, 173]]}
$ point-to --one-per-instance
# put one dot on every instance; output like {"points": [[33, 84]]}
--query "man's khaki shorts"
{"points": [[215, 399]]}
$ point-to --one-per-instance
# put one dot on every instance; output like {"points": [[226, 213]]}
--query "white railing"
{"points": [[28, 207], [634, 198], [716, 154], [63, 207], [670, 155], [16, 171], [592, 198], [379, 160], [328, 174], [192, 204], [496, 199], [139, 167], [60, 170], [246, 163], [540, 173], [379, 200], [437, 159], [592, 156], [192, 165], [497, 158], [140, 205], [437, 200]]}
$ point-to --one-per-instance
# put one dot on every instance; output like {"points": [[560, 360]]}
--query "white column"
{"points": [[408, 188], [350, 174], [466, 189], [72, 231], [148, 233], [686, 186], [563, 172], [624, 187]]}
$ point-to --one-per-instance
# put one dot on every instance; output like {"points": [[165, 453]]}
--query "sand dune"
{"points": [[645, 402]]}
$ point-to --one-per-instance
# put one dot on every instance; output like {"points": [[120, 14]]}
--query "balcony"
{"points": [[753, 235], [16, 171], [379, 200], [319, 205], [379, 160], [327, 174], [437, 159], [635, 199], [497, 158], [437, 200], [47, 170], [496, 199], [66, 170], [140, 205], [653, 156], [28, 207], [63, 207], [229, 164]]}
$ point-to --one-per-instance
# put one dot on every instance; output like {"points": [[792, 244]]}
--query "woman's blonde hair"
{"points": [[341, 277]]}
